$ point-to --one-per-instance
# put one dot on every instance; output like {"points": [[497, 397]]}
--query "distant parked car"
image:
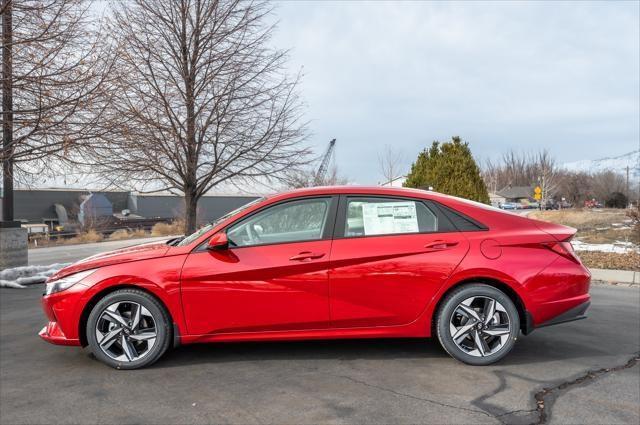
{"points": [[510, 206], [592, 204]]}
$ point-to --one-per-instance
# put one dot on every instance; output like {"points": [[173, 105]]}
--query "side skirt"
{"points": [[413, 330]]}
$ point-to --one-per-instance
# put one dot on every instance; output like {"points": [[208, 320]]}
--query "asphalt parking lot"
{"points": [[384, 381]]}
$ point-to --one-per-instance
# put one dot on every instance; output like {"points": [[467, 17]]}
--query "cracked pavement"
{"points": [[357, 381]]}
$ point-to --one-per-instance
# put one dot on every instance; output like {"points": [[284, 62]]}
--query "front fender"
{"points": [[160, 277]]}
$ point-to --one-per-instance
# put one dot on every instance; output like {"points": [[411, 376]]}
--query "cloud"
{"points": [[562, 76]]}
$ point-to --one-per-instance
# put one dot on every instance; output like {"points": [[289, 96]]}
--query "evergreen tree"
{"points": [[449, 168]]}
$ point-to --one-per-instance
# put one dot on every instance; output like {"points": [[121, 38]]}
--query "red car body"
{"points": [[335, 287]]}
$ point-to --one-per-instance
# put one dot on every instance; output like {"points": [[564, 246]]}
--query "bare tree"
{"points": [[197, 98], [575, 187], [523, 169], [390, 163], [51, 70], [307, 177], [517, 169], [603, 184]]}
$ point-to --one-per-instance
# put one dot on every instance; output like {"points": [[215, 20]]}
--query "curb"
{"points": [[615, 276]]}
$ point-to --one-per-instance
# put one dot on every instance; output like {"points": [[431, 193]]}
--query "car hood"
{"points": [[123, 255]]}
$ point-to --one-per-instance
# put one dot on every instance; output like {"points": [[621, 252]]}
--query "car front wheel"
{"points": [[477, 324], [128, 329]]}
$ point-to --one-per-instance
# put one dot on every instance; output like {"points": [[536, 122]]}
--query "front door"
{"points": [[389, 258], [273, 276]]}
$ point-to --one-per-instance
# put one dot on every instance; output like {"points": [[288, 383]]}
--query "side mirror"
{"points": [[218, 241]]}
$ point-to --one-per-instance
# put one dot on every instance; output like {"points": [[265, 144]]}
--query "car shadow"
{"points": [[534, 348], [302, 350]]}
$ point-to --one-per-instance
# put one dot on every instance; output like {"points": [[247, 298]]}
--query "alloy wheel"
{"points": [[480, 326], [126, 331]]}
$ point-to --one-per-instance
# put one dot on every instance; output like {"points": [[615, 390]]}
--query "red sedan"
{"points": [[336, 262]]}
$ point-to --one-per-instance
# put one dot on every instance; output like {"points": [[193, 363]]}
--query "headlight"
{"points": [[66, 282]]}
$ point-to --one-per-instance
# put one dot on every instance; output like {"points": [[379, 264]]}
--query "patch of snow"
{"points": [[17, 277], [617, 247], [9, 284]]}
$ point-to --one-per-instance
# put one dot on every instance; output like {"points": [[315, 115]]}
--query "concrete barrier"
{"points": [[615, 276], [13, 247]]}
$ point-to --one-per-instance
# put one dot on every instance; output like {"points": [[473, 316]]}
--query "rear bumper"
{"points": [[576, 313], [53, 334], [571, 315]]}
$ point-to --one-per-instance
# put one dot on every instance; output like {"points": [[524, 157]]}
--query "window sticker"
{"points": [[389, 217]]}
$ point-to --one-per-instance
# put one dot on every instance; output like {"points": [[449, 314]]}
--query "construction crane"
{"points": [[324, 164]]}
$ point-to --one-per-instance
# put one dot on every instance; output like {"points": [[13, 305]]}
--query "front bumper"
{"points": [[63, 311], [53, 334]]}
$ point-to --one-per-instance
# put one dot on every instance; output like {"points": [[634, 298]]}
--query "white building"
{"points": [[396, 182]]}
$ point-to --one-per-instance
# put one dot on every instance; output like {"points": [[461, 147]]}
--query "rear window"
{"points": [[386, 216], [460, 221]]}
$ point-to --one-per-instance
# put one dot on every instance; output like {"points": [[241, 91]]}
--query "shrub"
{"points": [[139, 233], [449, 168], [119, 235], [168, 229], [88, 236], [616, 200]]}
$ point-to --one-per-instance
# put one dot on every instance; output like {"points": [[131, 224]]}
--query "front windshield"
{"points": [[201, 231]]}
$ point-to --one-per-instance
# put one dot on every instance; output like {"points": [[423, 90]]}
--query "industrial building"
{"points": [[61, 206]]}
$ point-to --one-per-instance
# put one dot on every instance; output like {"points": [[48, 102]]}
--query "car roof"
{"points": [[352, 189], [462, 204]]}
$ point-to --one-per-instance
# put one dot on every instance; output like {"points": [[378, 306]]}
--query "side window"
{"points": [[383, 216], [289, 222]]}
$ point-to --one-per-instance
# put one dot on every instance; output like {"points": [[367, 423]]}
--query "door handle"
{"points": [[440, 244], [307, 255]]}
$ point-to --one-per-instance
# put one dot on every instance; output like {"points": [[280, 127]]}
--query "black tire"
{"points": [[448, 308], [163, 329]]}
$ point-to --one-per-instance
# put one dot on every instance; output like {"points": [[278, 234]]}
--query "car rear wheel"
{"points": [[477, 324], [128, 329]]}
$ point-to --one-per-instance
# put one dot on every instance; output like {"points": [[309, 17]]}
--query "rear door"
{"points": [[389, 258]]}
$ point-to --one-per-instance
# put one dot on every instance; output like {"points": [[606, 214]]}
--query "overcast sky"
{"points": [[562, 76]]}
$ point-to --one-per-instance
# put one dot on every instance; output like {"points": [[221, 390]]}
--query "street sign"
{"points": [[537, 193]]}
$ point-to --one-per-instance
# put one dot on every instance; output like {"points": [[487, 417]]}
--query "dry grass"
{"points": [[85, 237], [91, 236], [609, 236], [582, 219], [609, 260], [140, 233], [119, 235], [168, 229], [594, 226]]}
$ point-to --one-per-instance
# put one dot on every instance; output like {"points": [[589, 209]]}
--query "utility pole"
{"points": [[627, 189], [7, 112]]}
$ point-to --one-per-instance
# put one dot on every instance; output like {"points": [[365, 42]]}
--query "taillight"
{"points": [[564, 249]]}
